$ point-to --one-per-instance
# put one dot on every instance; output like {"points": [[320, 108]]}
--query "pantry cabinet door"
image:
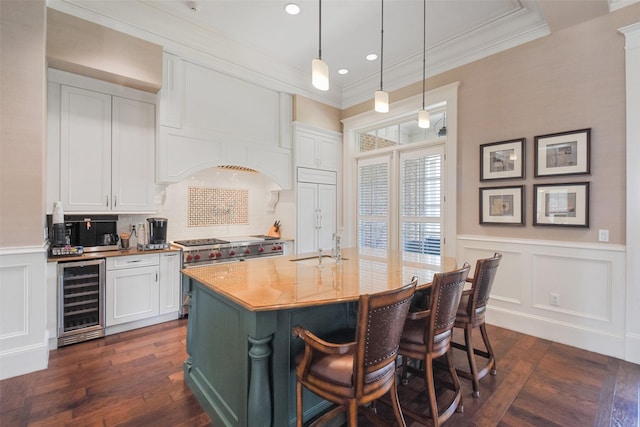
{"points": [[85, 150], [133, 156]]}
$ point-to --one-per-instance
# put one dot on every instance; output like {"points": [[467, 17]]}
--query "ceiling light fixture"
{"points": [[423, 115], [319, 68], [343, 71], [292, 8], [372, 57], [381, 98]]}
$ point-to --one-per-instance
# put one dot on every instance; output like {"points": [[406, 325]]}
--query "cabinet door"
{"points": [[133, 156], [85, 150], [327, 209], [170, 282], [306, 149], [307, 218], [327, 152], [131, 294]]}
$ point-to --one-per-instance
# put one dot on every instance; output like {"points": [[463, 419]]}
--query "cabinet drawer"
{"points": [[132, 261]]}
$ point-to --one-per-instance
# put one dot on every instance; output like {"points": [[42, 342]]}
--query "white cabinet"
{"points": [[316, 210], [170, 282], [316, 150], [106, 151], [132, 288]]}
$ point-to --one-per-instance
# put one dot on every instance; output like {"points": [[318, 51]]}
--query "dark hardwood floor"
{"points": [[135, 379]]}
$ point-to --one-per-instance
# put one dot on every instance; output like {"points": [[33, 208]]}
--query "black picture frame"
{"points": [[561, 204], [502, 205], [502, 160], [563, 153]]}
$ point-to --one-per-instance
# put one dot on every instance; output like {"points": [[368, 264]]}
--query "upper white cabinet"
{"points": [[101, 149], [316, 150], [208, 119]]}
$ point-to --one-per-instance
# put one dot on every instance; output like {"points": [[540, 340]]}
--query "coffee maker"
{"points": [[156, 234]]}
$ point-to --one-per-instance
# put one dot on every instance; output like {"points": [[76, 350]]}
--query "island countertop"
{"points": [[275, 283]]}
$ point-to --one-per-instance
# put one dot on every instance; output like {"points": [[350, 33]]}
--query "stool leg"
{"points": [[468, 340], [487, 344]]}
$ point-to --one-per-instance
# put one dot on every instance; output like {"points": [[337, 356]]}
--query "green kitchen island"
{"points": [[241, 355]]}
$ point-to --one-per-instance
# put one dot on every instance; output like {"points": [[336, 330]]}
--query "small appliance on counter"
{"points": [[152, 235], [82, 234]]}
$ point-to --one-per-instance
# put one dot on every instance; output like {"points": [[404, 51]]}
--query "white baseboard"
{"points": [[116, 329], [20, 361]]}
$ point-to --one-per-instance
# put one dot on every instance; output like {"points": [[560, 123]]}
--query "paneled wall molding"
{"points": [[632, 66], [568, 292], [553, 243], [24, 345]]}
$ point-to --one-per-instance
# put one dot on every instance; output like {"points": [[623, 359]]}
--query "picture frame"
{"points": [[564, 153], [502, 205], [561, 204], [502, 160]]}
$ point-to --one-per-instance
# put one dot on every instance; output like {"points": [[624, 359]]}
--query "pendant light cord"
{"points": [[381, 42], [424, 49], [320, 29]]}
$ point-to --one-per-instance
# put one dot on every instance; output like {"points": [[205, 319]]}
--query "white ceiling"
{"points": [[258, 41]]}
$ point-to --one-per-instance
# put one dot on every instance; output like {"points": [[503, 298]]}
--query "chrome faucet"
{"points": [[337, 249]]}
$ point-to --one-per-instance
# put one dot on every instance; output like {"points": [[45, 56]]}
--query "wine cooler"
{"points": [[81, 295]]}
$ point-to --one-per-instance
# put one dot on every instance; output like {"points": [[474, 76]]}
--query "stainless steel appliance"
{"points": [[208, 251], [92, 233], [81, 301]]}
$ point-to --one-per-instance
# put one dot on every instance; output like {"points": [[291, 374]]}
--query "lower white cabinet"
{"points": [[170, 282], [142, 289], [132, 288]]}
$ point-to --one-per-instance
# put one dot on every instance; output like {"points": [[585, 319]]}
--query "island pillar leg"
{"points": [[259, 411]]}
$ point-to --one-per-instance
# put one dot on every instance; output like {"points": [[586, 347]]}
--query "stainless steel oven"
{"points": [[209, 251], [81, 287]]}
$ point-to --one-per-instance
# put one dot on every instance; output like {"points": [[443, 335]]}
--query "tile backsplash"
{"points": [[217, 206]]}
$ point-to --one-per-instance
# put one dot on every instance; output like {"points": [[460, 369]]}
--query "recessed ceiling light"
{"points": [[343, 71], [292, 9], [372, 57]]}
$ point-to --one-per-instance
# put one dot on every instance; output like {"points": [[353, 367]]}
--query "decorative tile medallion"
{"points": [[217, 206]]}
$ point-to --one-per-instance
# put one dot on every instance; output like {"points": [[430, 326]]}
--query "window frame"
{"points": [[400, 111]]}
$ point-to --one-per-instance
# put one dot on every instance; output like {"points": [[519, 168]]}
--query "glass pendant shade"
{"points": [[381, 101], [320, 74], [424, 119]]}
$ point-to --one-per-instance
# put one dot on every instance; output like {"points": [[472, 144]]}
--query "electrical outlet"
{"points": [[603, 235], [554, 299]]}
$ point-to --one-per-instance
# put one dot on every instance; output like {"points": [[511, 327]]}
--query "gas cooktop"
{"points": [[201, 242]]}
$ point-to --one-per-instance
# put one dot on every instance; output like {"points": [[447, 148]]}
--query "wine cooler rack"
{"points": [[81, 292]]}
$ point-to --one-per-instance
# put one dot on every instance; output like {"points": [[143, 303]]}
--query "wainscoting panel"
{"points": [[573, 293], [23, 292]]}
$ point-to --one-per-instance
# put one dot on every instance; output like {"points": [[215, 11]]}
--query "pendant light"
{"points": [[423, 114], [319, 68], [381, 98]]}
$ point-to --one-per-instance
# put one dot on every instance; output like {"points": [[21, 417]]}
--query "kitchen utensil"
{"points": [[274, 231]]}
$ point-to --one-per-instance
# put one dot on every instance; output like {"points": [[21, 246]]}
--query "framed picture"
{"points": [[565, 205], [565, 153], [502, 160], [502, 205]]}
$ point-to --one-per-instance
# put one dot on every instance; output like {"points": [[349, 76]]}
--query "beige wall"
{"points": [[22, 122], [316, 114], [572, 79], [91, 50]]}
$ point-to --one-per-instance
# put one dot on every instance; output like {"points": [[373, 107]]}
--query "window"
{"points": [[373, 203], [417, 173], [421, 200]]}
